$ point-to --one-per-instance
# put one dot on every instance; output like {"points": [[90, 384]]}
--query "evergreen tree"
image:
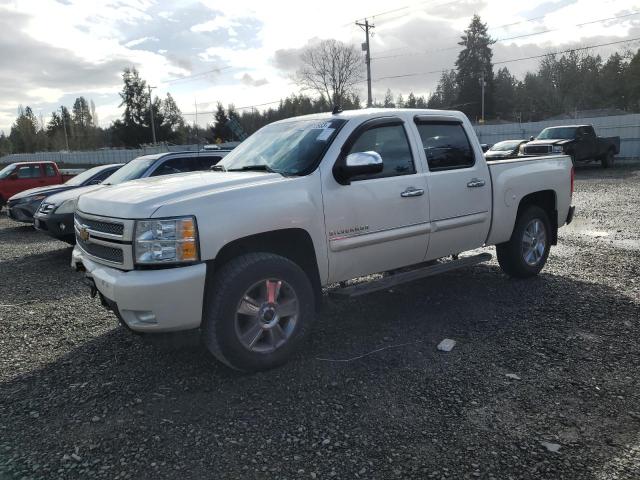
{"points": [[5, 144], [504, 94], [135, 99], [388, 99], [446, 94], [24, 131], [411, 101], [473, 64], [221, 132]]}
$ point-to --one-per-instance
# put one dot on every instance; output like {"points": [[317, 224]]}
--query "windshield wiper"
{"points": [[253, 168]]}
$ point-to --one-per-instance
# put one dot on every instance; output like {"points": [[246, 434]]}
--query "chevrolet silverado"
{"points": [[244, 252]]}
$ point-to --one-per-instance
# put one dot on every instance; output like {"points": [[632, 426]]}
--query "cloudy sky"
{"points": [[246, 51]]}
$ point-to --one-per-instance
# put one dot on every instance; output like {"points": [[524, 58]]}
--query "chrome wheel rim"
{"points": [[534, 242], [266, 315]]}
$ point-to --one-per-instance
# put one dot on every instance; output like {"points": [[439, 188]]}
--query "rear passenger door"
{"points": [[50, 175], [586, 144], [459, 186]]}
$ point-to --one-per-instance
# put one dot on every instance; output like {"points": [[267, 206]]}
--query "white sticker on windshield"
{"points": [[325, 134]]}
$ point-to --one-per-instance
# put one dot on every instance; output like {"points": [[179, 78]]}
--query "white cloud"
{"points": [[258, 39]]}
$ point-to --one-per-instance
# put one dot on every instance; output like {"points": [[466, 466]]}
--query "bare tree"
{"points": [[331, 68]]}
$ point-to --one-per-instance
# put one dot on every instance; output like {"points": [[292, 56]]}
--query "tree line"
{"points": [[563, 84], [578, 80]]}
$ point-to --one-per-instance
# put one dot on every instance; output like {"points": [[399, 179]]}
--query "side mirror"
{"points": [[95, 182], [531, 139], [358, 163]]}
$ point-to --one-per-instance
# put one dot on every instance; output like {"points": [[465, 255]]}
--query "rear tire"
{"points": [[526, 252], [258, 310], [608, 160]]}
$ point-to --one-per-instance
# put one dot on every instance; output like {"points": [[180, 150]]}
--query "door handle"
{"points": [[412, 192], [475, 183]]}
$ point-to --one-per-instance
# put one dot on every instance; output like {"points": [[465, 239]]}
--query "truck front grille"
{"points": [[110, 228], [537, 149], [108, 253]]}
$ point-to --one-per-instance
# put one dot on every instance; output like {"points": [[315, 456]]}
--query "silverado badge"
{"points": [[84, 233]]}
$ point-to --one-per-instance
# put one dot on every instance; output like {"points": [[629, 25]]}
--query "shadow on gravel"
{"points": [[21, 233], [124, 403], [38, 276]]}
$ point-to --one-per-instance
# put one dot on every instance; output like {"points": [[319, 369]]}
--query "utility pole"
{"points": [[366, 26], [153, 127], [64, 127], [482, 85]]}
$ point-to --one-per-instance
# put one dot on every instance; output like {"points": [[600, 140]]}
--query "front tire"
{"points": [[258, 310], [608, 160], [526, 252]]}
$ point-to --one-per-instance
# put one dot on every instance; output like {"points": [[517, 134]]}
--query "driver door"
{"points": [[379, 221]]}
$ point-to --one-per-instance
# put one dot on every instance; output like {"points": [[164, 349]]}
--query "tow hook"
{"points": [[93, 290]]}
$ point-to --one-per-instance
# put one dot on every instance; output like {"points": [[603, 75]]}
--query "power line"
{"points": [[235, 108], [425, 52], [195, 75], [502, 62]]}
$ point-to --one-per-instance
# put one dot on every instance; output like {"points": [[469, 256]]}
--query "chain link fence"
{"points": [[96, 157], [627, 127]]}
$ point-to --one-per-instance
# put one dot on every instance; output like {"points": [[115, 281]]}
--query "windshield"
{"points": [[6, 171], [505, 146], [289, 148], [557, 133], [83, 177], [132, 170]]}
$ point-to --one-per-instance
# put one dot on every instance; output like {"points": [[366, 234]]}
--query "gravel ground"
{"points": [[542, 364]]}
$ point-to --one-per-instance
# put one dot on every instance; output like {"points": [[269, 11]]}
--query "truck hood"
{"points": [[73, 193], [551, 141], [141, 198], [46, 190]]}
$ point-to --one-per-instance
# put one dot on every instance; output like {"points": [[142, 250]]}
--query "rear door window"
{"points": [[49, 170], [29, 171], [446, 145]]}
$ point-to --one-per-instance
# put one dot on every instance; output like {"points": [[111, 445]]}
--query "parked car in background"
{"points": [[504, 150], [55, 215], [20, 176], [23, 206], [243, 252], [580, 142]]}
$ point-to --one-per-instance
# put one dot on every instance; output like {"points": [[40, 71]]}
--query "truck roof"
{"points": [[570, 126], [372, 112]]}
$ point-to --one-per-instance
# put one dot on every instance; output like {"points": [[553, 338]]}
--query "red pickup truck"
{"points": [[17, 177]]}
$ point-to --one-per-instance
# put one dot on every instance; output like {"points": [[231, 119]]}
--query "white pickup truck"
{"points": [[243, 252]]}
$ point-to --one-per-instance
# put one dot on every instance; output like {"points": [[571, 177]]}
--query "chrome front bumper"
{"points": [[162, 300]]}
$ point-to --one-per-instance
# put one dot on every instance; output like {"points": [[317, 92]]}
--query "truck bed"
{"points": [[512, 180]]}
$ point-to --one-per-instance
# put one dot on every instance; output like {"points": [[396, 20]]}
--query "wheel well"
{"points": [[545, 199], [292, 243]]}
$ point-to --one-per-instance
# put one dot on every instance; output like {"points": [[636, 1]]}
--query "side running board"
{"points": [[409, 276]]}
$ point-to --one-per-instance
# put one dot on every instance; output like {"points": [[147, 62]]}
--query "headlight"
{"points": [[172, 240], [557, 149], [68, 206]]}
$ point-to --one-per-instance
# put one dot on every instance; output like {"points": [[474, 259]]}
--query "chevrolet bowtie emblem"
{"points": [[84, 233]]}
